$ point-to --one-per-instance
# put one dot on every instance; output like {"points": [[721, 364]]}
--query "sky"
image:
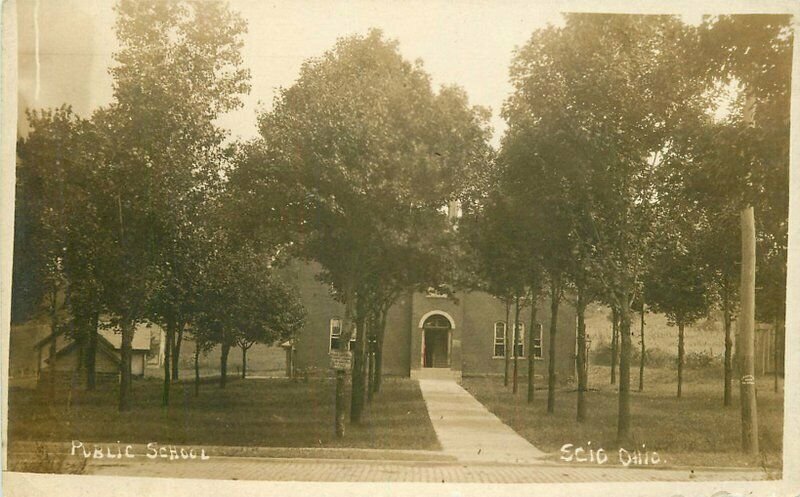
{"points": [[468, 43], [66, 46]]}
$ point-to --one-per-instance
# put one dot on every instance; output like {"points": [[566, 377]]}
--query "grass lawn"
{"points": [[694, 430], [253, 412]]}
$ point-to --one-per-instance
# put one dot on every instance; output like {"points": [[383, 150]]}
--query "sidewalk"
{"points": [[327, 470], [468, 431], [369, 465]]}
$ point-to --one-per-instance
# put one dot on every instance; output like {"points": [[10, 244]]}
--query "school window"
{"points": [[499, 339], [336, 334], [537, 340], [519, 340]]}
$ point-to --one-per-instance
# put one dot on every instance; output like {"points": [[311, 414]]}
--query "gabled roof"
{"points": [[141, 337], [103, 346], [46, 339], [113, 336]]}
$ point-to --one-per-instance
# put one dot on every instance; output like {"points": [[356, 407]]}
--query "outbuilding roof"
{"points": [[141, 336]]}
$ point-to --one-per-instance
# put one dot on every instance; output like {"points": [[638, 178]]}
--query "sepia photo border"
{"points": [[26, 484]]}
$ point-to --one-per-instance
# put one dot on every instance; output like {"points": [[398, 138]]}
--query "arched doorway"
{"points": [[436, 342]]}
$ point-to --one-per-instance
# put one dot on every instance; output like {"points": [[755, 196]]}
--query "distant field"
{"points": [[706, 335]]}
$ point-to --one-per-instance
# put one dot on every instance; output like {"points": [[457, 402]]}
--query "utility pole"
{"points": [[746, 345]]}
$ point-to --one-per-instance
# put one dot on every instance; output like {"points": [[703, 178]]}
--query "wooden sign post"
{"points": [[341, 361]]}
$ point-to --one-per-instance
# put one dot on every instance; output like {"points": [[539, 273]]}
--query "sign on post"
{"points": [[341, 360]]}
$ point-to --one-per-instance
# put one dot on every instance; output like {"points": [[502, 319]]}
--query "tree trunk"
{"points": [[126, 355], [380, 333], [244, 362], [53, 342], [614, 341], [91, 353], [358, 389], [531, 355], [624, 413], [642, 353], [223, 364], [581, 356], [728, 355], [775, 354], [555, 297], [369, 367], [176, 350], [746, 346], [197, 369], [167, 356], [370, 371], [378, 367], [514, 346], [681, 352], [506, 357]]}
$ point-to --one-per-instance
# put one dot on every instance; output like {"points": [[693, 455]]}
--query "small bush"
{"points": [[658, 358], [601, 356], [702, 360]]}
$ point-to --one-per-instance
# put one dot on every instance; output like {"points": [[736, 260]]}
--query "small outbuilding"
{"points": [[109, 343]]}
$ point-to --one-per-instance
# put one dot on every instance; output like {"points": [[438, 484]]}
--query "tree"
{"points": [[585, 289], [48, 160], [643, 350], [704, 168], [58, 235], [577, 84], [243, 300], [401, 268], [720, 253], [496, 255], [369, 146], [178, 68], [754, 51], [201, 346], [677, 288], [536, 290], [547, 179], [614, 343], [268, 311]]}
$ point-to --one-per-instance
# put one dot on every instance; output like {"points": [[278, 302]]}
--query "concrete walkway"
{"points": [[468, 431]]}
